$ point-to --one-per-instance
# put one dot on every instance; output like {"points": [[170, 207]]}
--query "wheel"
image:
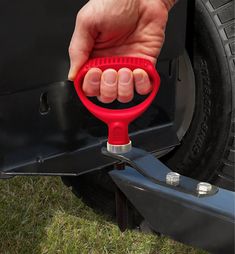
{"points": [[207, 150]]}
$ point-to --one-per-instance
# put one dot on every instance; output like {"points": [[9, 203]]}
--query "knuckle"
{"points": [[106, 99], [125, 99], [126, 94], [72, 49], [91, 90], [143, 90], [109, 94], [81, 16]]}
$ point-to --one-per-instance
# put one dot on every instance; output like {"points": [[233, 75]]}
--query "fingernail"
{"points": [[110, 77], [139, 77], [124, 77], [95, 78]]}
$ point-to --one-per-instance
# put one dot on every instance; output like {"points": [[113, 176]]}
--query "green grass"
{"points": [[41, 215]]}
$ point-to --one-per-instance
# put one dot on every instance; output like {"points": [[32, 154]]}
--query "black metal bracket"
{"points": [[181, 211], [52, 133]]}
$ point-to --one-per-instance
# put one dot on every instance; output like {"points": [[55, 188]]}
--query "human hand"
{"points": [[118, 28]]}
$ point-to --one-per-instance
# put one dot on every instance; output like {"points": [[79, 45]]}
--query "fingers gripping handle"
{"points": [[118, 119]]}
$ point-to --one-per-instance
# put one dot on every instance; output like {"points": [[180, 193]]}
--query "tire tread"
{"points": [[224, 11]]}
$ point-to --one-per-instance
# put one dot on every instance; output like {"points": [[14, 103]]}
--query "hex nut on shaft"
{"points": [[203, 188], [173, 178]]}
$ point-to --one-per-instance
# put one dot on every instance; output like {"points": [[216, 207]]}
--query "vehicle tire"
{"points": [[207, 151]]}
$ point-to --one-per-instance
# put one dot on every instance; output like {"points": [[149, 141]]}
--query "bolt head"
{"points": [[204, 188], [173, 178]]}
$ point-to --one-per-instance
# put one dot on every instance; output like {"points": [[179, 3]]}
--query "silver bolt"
{"points": [[204, 188], [173, 178]]}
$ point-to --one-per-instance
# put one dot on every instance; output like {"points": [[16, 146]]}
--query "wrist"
{"points": [[169, 3]]}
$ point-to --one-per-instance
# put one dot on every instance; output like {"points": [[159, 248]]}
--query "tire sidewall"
{"points": [[204, 144]]}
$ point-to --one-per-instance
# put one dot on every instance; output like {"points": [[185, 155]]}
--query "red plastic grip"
{"points": [[118, 119]]}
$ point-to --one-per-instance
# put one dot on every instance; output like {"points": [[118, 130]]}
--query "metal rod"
{"points": [[121, 204]]}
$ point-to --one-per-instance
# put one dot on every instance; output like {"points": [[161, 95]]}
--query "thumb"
{"points": [[82, 42]]}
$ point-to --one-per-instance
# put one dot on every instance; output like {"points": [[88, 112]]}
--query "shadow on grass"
{"points": [[41, 215]]}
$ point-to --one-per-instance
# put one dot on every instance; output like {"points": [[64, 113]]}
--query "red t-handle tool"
{"points": [[118, 119]]}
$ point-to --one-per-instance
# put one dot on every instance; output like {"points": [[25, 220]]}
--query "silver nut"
{"points": [[173, 178], [203, 188]]}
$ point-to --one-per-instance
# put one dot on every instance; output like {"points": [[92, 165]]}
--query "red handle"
{"points": [[118, 119]]}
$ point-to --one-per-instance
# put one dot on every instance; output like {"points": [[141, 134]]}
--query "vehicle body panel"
{"points": [[40, 114]]}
